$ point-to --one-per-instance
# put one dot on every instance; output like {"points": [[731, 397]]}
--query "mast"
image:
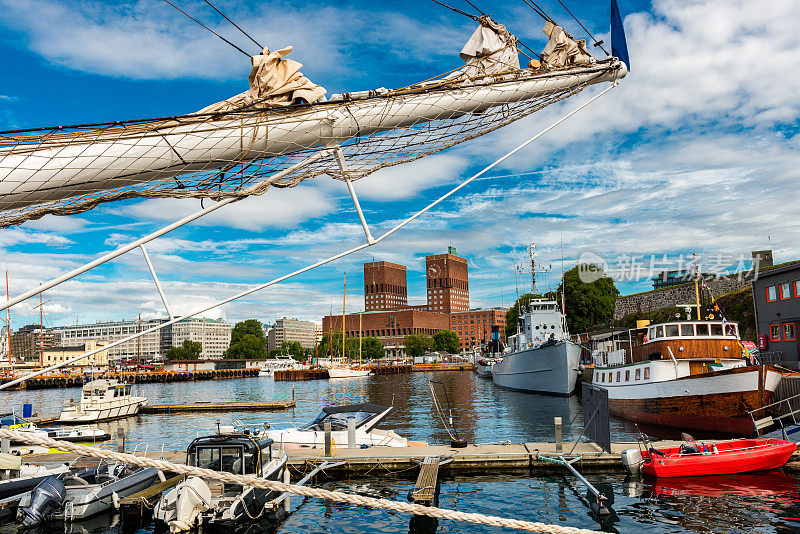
{"points": [[8, 325], [344, 295], [696, 288], [41, 331], [532, 253], [360, 334]]}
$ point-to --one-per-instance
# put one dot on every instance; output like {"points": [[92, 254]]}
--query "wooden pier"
{"points": [[73, 381], [216, 407], [426, 490], [140, 504], [473, 459], [319, 373]]}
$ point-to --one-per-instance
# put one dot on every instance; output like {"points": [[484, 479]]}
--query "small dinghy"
{"points": [[719, 458], [91, 486]]}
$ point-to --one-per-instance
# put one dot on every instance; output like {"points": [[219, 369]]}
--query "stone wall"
{"points": [[672, 296]]}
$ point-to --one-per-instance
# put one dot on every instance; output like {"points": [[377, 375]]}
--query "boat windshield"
{"points": [[228, 459], [338, 420]]}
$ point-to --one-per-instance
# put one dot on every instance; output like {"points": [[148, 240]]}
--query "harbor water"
{"points": [[482, 413]]}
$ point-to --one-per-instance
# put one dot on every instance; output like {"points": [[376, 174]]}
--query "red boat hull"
{"points": [[738, 456]]}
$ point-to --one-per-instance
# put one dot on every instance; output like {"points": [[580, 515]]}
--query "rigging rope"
{"points": [[234, 24], [596, 42], [209, 29], [305, 491]]}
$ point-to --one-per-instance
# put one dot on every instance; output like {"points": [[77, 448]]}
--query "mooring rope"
{"points": [[305, 491]]}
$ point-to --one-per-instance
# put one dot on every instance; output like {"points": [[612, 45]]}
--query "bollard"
{"points": [[559, 446], [120, 439], [287, 479], [351, 432], [327, 428]]}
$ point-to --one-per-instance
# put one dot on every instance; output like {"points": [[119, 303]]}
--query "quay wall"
{"points": [[69, 381], [671, 296]]}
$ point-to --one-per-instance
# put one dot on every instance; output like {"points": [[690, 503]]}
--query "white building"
{"points": [[213, 334], [152, 345], [292, 330]]}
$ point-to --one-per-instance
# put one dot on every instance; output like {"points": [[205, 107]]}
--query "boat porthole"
{"points": [[680, 349], [725, 347]]}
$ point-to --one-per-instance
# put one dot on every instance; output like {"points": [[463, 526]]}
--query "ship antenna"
{"points": [[532, 253]]}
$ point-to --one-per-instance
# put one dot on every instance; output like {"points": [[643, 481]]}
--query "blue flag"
{"points": [[619, 46]]}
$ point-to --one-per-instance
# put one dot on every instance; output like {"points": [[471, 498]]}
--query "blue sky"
{"points": [[696, 150]]}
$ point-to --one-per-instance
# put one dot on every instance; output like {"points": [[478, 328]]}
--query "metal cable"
{"points": [[209, 29]]}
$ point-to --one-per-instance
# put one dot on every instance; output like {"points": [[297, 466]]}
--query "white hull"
{"points": [[551, 369], [295, 438], [483, 370], [65, 168], [102, 412], [346, 372]]}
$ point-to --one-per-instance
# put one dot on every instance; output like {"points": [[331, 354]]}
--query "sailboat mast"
{"points": [[344, 300], [8, 324], [531, 253], [360, 334], [41, 331]]}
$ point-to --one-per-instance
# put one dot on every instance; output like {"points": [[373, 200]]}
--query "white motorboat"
{"points": [[347, 372], [24, 476], [102, 400], [90, 487], [198, 502], [366, 417], [269, 367], [483, 366], [75, 434], [542, 359]]}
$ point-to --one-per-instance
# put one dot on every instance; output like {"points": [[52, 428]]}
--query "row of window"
{"points": [[692, 329], [775, 332], [637, 376], [783, 291]]}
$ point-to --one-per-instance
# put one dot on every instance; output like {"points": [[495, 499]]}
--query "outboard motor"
{"points": [[632, 461], [46, 499]]}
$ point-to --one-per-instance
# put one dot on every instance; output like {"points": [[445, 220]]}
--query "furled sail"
{"points": [[229, 148]]}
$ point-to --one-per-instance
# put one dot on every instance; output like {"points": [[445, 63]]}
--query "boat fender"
{"points": [[161, 476], [115, 500], [714, 449]]}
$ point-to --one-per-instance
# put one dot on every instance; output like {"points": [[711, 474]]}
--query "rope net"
{"points": [[233, 153]]}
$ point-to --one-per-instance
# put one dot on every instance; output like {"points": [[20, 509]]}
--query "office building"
{"points": [[447, 282], [384, 286], [150, 346], [474, 327], [292, 330], [213, 334]]}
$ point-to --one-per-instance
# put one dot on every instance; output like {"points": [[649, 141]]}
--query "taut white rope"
{"points": [[305, 491]]}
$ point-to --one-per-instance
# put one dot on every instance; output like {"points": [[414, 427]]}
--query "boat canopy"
{"points": [[283, 124], [367, 416]]}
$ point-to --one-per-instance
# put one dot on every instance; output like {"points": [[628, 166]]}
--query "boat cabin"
{"points": [[238, 454], [542, 323], [366, 415], [104, 390], [711, 340]]}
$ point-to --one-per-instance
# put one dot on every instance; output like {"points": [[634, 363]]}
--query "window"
{"points": [[627, 375], [687, 329], [775, 332], [603, 377], [772, 294], [716, 329], [702, 329], [638, 374], [647, 373], [797, 288], [659, 331], [618, 375], [672, 330], [788, 331], [785, 291]]}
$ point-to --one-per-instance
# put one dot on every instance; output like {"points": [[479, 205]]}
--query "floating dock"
{"points": [[73, 381], [473, 459], [318, 373]]}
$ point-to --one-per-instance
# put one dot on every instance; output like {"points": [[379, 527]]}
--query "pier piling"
{"points": [[559, 444]]}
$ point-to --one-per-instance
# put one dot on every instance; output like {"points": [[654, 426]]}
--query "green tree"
{"points": [[189, 350], [446, 341], [247, 341], [587, 304], [293, 349], [371, 347], [418, 344]]}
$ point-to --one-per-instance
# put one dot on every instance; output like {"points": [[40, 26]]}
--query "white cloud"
{"points": [[409, 180], [281, 208], [148, 39]]}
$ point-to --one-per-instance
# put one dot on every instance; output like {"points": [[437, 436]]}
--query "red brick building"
{"points": [[385, 286], [390, 326], [448, 282], [474, 327]]}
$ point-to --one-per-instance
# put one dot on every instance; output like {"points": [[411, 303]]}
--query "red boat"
{"points": [[720, 458]]}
